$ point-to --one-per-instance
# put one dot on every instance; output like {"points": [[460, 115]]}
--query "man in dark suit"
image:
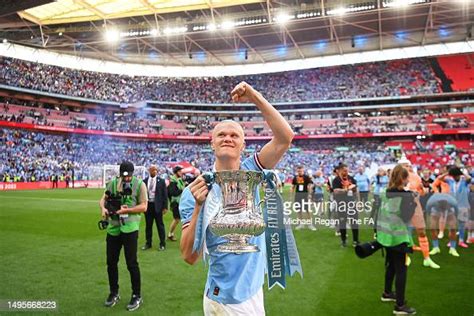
{"points": [[157, 206]]}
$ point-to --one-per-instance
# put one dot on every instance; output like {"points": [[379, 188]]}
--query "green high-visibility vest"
{"points": [[391, 230], [132, 222], [180, 184]]}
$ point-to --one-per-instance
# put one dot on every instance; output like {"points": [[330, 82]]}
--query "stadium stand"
{"points": [[392, 78], [460, 70]]}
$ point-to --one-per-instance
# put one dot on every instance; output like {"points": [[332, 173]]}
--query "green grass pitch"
{"points": [[51, 249]]}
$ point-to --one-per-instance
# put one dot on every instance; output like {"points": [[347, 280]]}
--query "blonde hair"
{"points": [[239, 127], [399, 173]]}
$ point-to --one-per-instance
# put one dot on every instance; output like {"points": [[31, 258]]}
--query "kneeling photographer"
{"points": [[397, 209], [123, 202]]}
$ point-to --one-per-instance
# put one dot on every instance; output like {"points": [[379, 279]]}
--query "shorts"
{"points": [[318, 197], [175, 210], [252, 306], [300, 196]]}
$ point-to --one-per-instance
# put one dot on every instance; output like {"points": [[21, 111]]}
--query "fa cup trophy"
{"points": [[239, 217]]}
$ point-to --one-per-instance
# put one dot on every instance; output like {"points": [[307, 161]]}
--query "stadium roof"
{"points": [[229, 32], [71, 11]]}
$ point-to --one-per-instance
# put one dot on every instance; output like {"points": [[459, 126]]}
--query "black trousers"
{"points": [[375, 210], [152, 216], [395, 268], [364, 196], [343, 216], [129, 242]]}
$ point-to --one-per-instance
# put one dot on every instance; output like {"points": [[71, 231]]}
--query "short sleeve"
{"points": [[186, 207], [293, 181], [252, 163], [143, 197]]}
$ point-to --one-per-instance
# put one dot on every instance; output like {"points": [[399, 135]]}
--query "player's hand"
{"points": [[123, 210], [105, 213], [164, 211], [243, 92], [199, 190]]}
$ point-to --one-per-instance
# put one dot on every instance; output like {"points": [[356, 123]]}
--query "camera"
{"points": [[113, 203], [365, 250]]}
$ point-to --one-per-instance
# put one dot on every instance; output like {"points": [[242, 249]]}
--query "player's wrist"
{"points": [[255, 96]]}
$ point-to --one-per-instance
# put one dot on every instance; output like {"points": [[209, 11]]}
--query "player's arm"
{"points": [[337, 187], [272, 152], [310, 187], [199, 191], [467, 177], [293, 185], [103, 210], [441, 177]]}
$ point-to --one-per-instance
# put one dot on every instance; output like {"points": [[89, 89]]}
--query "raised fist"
{"points": [[243, 92]]}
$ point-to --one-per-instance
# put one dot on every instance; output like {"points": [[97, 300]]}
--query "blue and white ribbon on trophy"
{"points": [[282, 254]]}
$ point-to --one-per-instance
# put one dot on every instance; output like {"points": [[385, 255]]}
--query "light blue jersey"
{"points": [[321, 181], [232, 278], [460, 190], [380, 182], [363, 182]]}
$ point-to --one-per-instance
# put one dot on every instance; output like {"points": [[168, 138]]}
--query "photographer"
{"points": [[396, 211], [125, 198]]}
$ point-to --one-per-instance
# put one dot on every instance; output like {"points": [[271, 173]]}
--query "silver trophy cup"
{"points": [[239, 217]]}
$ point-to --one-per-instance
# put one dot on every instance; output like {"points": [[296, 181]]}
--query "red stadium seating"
{"points": [[460, 69]]}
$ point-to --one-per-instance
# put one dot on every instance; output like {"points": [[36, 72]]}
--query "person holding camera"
{"points": [[397, 209], [123, 202]]}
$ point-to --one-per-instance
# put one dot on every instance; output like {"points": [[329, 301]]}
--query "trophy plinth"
{"points": [[238, 218]]}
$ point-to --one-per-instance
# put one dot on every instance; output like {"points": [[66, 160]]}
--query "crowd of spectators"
{"points": [[33, 156], [186, 125], [379, 79]]}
